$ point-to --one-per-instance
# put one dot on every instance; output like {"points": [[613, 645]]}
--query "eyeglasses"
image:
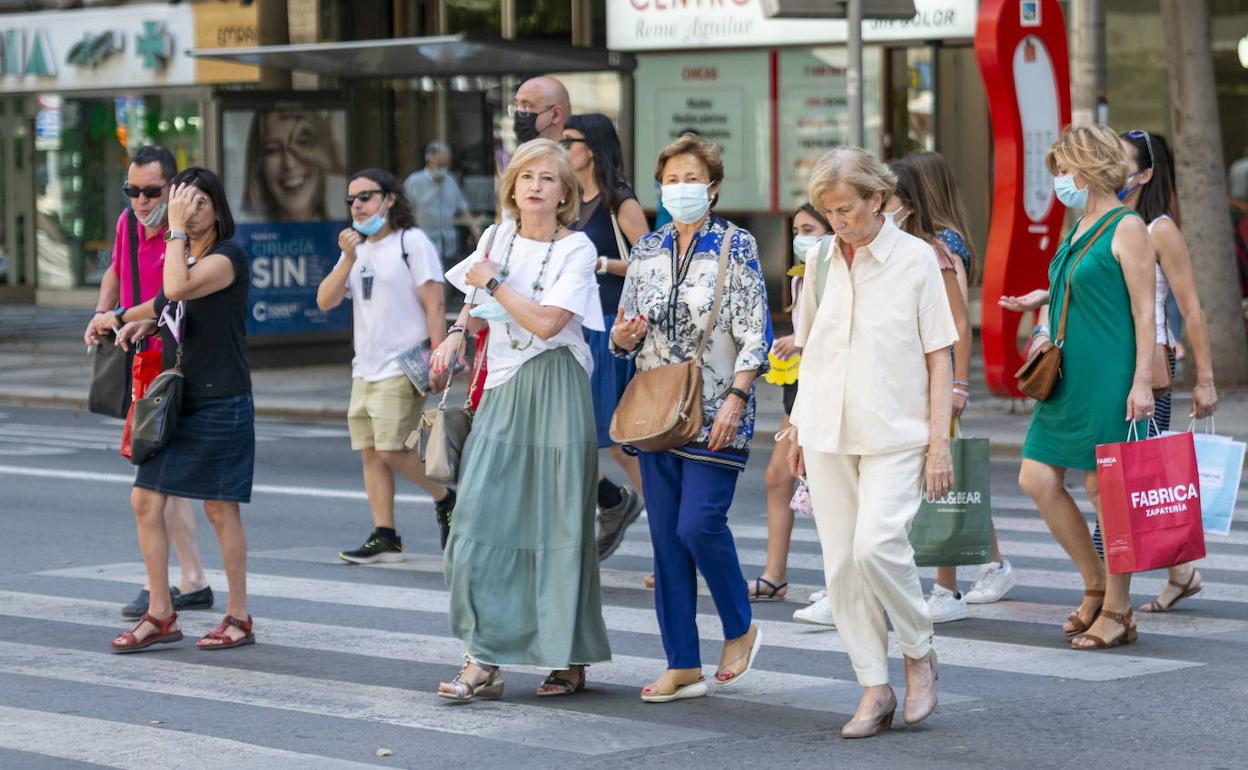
{"points": [[568, 141], [1148, 145], [132, 191], [363, 197], [513, 109]]}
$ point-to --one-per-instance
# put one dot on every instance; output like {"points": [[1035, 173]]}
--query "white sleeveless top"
{"points": [[1164, 337]]}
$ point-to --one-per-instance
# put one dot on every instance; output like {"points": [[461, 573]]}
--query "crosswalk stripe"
{"points": [[510, 722], [140, 747], [973, 653], [257, 489], [1164, 624], [761, 686]]}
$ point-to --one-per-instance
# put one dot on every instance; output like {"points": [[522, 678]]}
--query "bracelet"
{"points": [[602, 266], [453, 329], [960, 382], [1039, 329], [741, 394]]}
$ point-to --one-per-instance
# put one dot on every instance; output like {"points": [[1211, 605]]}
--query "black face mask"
{"points": [[525, 124]]}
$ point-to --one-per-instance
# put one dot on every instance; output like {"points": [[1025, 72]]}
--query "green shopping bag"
{"points": [[957, 528]]}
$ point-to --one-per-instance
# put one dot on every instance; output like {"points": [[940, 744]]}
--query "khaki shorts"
{"points": [[382, 414]]}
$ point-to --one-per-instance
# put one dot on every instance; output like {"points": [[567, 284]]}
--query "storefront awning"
{"points": [[409, 57]]}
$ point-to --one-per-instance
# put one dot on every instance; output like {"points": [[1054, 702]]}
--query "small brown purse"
{"points": [[662, 408], [1043, 368]]}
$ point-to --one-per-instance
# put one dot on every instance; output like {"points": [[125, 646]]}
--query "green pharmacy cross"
{"points": [[155, 45]]}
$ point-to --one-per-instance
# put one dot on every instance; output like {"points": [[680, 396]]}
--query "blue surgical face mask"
{"points": [[371, 226], [802, 244], [687, 202], [1068, 193], [490, 310], [1130, 188]]}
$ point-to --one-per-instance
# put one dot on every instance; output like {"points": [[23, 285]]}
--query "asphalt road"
{"points": [[348, 657]]}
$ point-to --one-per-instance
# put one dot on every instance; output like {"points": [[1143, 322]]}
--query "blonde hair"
{"points": [[700, 148], [527, 154], [854, 166], [1093, 151]]}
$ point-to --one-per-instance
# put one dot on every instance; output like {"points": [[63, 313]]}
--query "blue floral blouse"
{"points": [[742, 334]]}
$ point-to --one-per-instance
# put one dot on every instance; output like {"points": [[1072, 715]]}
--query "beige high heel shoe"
{"points": [[920, 701], [873, 724]]}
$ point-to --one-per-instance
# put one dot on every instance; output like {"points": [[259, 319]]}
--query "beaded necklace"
{"points": [[504, 270]]}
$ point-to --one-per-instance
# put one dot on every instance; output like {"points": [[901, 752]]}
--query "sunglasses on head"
{"points": [[132, 191], [1148, 145], [363, 197]]}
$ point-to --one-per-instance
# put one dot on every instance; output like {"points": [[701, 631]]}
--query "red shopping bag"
{"points": [[147, 365], [476, 386], [1150, 503]]}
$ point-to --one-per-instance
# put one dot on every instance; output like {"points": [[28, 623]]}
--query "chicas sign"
{"points": [[1021, 47]]}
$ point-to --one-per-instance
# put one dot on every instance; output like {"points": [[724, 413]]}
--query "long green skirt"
{"points": [[521, 562]]}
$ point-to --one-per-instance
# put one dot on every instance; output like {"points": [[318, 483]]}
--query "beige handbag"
{"points": [[619, 238], [662, 408], [442, 432]]}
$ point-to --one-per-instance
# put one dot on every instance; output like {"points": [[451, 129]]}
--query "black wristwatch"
{"points": [[741, 394], [492, 285]]}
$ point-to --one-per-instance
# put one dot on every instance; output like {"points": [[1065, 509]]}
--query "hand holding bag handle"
{"points": [[662, 408], [1039, 373]]}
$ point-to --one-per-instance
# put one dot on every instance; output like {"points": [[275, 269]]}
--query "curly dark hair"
{"points": [[400, 217]]}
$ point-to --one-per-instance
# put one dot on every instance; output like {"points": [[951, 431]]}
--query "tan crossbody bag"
{"points": [[662, 408]]}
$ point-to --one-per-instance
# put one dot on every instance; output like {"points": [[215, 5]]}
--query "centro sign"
{"points": [[657, 25]]}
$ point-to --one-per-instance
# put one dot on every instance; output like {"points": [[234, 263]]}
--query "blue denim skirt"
{"points": [[212, 455], [607, 383]]}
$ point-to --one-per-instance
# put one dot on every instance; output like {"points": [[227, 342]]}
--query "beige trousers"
{"points": [[863, 506]]}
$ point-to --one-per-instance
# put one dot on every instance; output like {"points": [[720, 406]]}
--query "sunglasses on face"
{"points": [[363, 197], [568, 141], [132, 191]]}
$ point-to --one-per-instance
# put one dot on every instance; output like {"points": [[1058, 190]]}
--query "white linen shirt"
{"points": [[392, 319], [864, 384], [570, 283]]}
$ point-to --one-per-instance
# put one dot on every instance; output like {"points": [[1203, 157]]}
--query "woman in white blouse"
{"points": [[872, 422], [521, 562]]}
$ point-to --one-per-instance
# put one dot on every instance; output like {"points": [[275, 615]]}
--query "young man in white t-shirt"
{"points": [[391, 273]]}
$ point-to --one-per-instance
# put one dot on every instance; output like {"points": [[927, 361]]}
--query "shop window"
{"points": [[82, 151], [544, 19], [477, 16]]}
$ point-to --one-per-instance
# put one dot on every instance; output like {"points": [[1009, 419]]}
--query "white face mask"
{"points": [[157, 216], [687, 202], [892, 216], [802, 244], [436, 174]]}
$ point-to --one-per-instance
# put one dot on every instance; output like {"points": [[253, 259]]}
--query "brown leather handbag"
{"points": [[662, 408], [1043, 368]]}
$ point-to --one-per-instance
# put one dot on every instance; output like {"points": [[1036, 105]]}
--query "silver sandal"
{"points": [[489, 689]]}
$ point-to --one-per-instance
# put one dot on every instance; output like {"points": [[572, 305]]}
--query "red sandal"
{"points": [[222, 640], [162, 636]]}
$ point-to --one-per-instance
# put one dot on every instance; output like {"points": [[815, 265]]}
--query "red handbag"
{"points": [[147, 365], [1150, 503]]}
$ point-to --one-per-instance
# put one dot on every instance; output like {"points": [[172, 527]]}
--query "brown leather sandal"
{"points": [[1128, 635], [560, 685], [1079, 625], [163, 634], [218, 639], [1185, 591]]}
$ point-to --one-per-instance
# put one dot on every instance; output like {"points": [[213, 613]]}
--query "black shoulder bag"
{"points": [[111, 366], [156, 414]]}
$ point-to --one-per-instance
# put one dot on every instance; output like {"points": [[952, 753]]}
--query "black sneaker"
{"points": [[443, 509], [195, 600], [378, 548], [138, 605], [614, 521]]}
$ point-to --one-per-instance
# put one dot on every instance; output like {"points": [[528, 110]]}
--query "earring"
{"points": [[562, 201]]}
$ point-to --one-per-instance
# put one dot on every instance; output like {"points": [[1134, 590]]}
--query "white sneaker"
{"points": [[945, 605], [817, 614], [994, 581], [816, 596]]}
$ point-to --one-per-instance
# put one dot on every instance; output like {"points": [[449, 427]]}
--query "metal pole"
{"points": [[853, 84]]}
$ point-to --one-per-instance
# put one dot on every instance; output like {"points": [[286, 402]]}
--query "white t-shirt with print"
{"points": [[570, 283], [392, 318]]}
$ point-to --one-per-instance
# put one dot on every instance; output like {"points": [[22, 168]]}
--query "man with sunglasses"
{"points": [[147, 187]]}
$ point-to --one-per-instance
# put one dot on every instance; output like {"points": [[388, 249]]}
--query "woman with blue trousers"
{"points": [[665, 308]]}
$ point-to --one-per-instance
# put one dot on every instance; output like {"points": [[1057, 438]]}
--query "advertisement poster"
{"points": [[724, 96], [285, 177]]}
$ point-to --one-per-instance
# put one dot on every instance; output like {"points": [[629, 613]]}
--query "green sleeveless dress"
{"points": [[1088, 405]]}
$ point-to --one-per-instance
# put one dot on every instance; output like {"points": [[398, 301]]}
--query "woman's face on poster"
{"points": [[293, 164]]}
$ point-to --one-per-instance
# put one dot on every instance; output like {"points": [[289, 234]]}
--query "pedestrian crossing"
{"points": [[315, 615], [103, 434]]}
